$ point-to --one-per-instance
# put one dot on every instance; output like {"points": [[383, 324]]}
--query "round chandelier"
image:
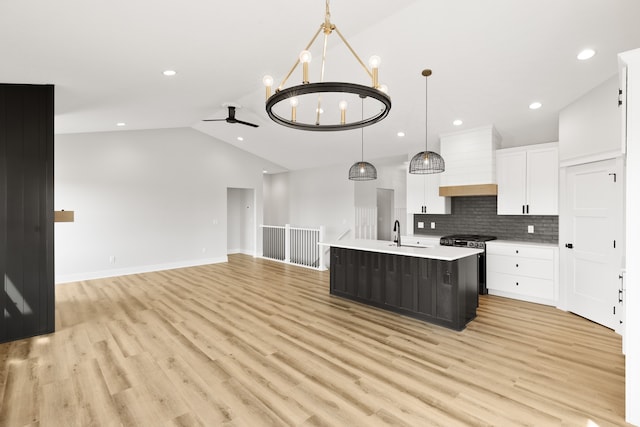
{"points": [[303, 106]]}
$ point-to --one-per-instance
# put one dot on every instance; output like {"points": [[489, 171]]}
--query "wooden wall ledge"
{"points": [[63, 216], [469, 190]]}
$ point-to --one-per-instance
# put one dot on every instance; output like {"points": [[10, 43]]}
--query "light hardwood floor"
{"points": [[253, 342]]}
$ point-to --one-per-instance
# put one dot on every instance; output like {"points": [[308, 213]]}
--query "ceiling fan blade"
{"points": [[231, 118], [246, 123]]}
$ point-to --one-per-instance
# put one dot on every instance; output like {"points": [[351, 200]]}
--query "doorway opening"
{"points": [[241, 221], [385, 213]]}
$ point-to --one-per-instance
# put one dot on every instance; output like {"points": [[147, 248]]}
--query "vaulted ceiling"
{"points": [[490, 60]]}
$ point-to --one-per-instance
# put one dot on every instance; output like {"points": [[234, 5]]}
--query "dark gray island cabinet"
{"points": [[437, 285]]}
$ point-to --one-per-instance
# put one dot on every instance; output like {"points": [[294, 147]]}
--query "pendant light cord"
{"points": [[362, 131], [426, 110]]}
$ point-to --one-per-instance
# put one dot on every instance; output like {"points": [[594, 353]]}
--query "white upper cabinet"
{"points": [[423, 195], [528, 180]]}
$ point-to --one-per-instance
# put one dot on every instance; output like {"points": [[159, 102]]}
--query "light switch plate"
{"points": [[420, 224], [530, 229]]}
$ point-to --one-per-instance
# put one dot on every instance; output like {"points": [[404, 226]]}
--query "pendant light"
{"points": [[426, 161], [362, 171]]}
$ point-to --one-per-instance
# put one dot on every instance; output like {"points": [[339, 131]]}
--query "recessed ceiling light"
{"points": [[457, 122], [169, 73], [586, 54], [400, 134], [240, 138], [120, 124], [535, 105]]}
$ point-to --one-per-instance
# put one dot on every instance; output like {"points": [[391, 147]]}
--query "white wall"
{"points": [[150, 199], [322, 196], [326, 196], [589, 128], [391, 175], [276, 199]]}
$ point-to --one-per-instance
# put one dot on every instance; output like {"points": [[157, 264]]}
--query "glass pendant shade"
{"points": [[363, 171], [426, 162]]}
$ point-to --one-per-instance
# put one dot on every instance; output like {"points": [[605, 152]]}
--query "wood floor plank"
{"points": [[254, 343]]}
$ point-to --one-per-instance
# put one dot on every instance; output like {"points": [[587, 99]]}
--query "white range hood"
{"points": [[470, 162]]}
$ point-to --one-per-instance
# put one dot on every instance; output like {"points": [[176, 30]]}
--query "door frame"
{"points": [[249, 224]]}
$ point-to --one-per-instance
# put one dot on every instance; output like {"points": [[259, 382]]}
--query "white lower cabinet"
{"points": [[521, 270]]}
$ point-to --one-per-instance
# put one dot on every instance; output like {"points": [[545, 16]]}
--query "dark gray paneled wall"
{"points": [[26, 211], [478, 215]]}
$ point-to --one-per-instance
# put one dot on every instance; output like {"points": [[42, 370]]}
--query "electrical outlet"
{"points": [[112, 259], [433, 225], [530, 229], [420, 224]]}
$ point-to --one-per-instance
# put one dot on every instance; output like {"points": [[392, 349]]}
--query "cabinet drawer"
{"points": [[520, 266], [526, 286], [520, 251]]}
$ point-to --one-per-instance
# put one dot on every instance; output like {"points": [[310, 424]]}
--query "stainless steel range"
{"points": [[472, 241]]}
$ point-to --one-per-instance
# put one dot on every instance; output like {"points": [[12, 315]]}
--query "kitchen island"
{"points": [[437, 284]]}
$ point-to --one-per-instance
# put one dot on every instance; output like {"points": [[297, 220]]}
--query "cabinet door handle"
{"points": [[522, 209], [517, 265], [517, 284], [527, 208]]}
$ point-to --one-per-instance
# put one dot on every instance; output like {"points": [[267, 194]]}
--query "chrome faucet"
{"points": [[396, 229]]}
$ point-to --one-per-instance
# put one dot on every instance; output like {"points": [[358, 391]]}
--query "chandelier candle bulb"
{"points": [[343, 112], [374, 63], [305, 58], [268, 83], [294, 104]]}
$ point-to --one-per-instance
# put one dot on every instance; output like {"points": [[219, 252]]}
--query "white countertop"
{"points": [[445, 253]]}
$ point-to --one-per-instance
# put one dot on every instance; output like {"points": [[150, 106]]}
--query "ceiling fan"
{"points": [[231, 118]]}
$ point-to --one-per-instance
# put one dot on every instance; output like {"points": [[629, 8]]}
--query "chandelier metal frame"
{"points": [[375, 91]]}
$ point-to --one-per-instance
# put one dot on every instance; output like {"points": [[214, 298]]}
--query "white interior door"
{"points": [[593, 246]]}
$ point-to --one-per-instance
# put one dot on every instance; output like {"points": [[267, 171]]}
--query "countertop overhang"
{"points": [[444, 253]]}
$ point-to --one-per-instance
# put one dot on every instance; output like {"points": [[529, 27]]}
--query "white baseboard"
{"points": [[241, 251], [65, 278]]}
